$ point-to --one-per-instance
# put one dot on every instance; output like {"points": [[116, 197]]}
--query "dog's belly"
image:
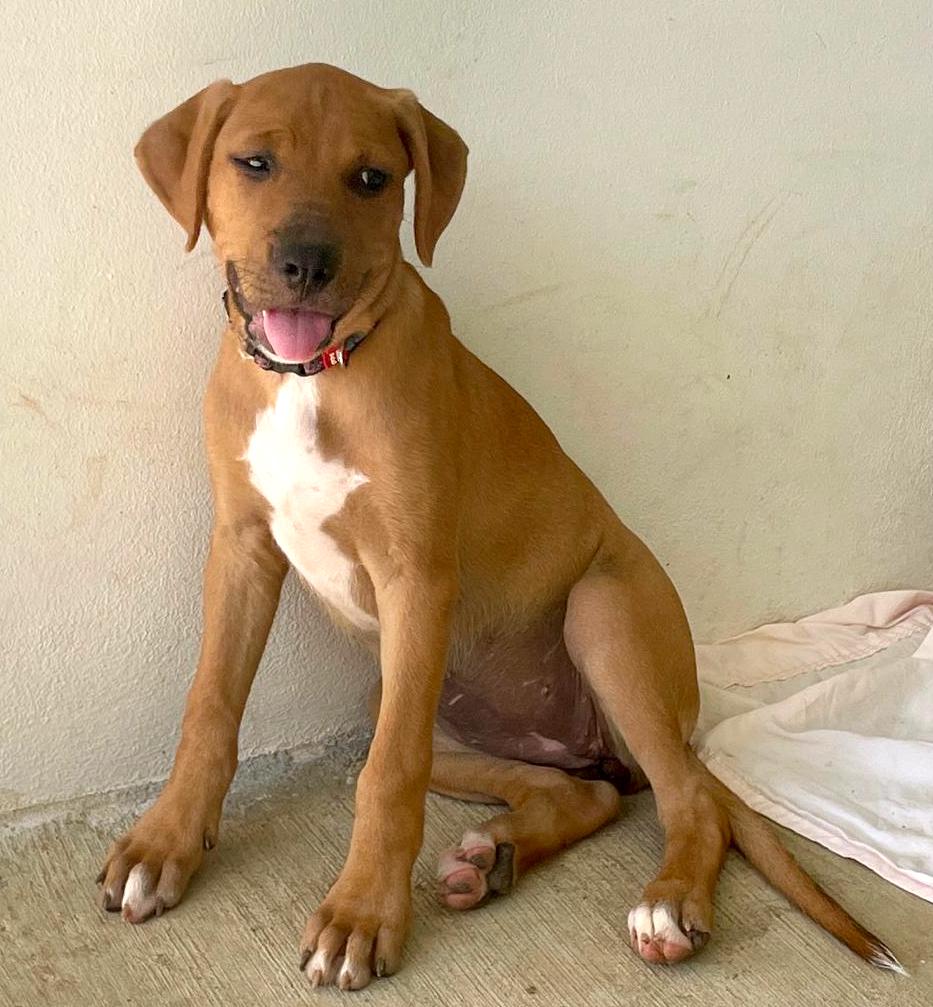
{"points": [[304, 489], [517, 695]]}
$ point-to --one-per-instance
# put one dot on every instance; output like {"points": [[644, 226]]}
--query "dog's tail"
{"points": [[755, 838]]}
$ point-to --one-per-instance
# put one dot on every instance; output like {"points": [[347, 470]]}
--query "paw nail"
{"points": [[380, 967], [697, 938], [209, 842], [305, 958], [159, 907], [99, 880], [316, 977]]}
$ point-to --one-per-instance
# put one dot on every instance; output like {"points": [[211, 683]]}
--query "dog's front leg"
{"points": [[361, 925], [148, 869]]}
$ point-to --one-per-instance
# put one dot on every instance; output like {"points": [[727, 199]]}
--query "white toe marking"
{"points": [[351, 975], [137, 887], [320, 961], [472, 839], [647, 923], [640, 922], [665, 926]]}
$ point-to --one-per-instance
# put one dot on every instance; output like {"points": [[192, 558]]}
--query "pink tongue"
{"points": [[295, 335]]}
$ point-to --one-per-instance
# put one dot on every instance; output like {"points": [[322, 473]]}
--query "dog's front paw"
{"points": [[148, 869], [357, 933]]}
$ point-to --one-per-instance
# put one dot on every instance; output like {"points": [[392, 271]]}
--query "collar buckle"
{"points": [[335, 357]]}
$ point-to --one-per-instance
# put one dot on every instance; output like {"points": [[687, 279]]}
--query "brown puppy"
{"points": [[436, 516]]}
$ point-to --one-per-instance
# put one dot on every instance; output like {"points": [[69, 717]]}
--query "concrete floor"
{"points": [[558, 939]]}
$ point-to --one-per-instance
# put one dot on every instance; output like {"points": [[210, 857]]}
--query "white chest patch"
{"points": [[304, 489]]}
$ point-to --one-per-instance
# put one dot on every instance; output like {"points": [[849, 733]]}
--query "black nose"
{"points": [[307, 267]]}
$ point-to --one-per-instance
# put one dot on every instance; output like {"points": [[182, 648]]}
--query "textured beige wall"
{"points": [[696, 235]]}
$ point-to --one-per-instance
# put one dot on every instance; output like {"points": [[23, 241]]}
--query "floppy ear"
{"points": [[439, 158], [174, 154]]}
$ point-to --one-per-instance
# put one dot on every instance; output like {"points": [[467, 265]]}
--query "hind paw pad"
{"points": [[471, 873]]}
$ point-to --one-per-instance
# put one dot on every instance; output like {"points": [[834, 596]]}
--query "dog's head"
{"points": [[298, 176]]}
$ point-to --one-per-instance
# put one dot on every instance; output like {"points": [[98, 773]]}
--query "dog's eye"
{"points": [[369, 181], [256, 165]]}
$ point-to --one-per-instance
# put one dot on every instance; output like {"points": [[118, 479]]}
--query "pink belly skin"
{"points": [[518, 696]]}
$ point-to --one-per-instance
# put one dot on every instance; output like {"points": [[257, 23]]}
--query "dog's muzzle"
{"points": [[238, 315]]}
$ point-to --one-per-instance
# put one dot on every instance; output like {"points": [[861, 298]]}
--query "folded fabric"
{"points": [[825, 725]]}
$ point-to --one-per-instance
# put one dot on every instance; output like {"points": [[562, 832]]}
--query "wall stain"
{"points": [[526, 295], [32, 405], [754, 228]]}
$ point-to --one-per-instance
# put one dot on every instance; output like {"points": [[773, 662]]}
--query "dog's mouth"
{"points": [[288, 335], [292, 335]]}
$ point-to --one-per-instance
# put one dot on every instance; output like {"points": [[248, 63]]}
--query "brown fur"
{"points": [[474, 527]]}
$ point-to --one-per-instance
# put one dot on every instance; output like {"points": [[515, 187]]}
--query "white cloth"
{"points": [[825, 726]]}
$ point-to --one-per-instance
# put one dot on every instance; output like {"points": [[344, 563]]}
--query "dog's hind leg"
{"points": [[548, 810], [626, 633]]}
